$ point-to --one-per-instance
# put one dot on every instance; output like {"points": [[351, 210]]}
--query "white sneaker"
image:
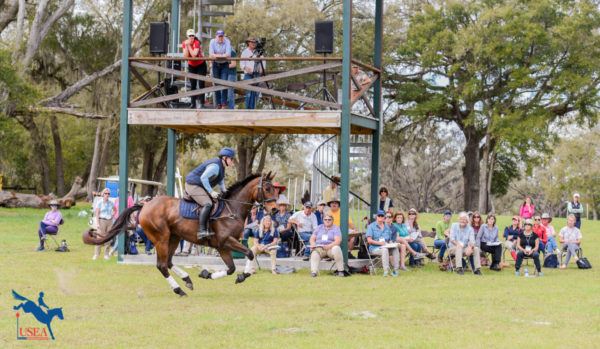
{"points": [[106, 257], [95, 257], [420, 255]]}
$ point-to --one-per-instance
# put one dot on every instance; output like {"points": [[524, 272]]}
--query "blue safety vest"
{"points": [[194, 176]]}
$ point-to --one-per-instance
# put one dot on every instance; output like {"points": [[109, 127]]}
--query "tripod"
{"points": [[327, 96]]}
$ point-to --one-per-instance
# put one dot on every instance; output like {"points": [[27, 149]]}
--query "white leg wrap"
{"points": [[218, 274], [248, 268], [182, 274], [172, 282]]}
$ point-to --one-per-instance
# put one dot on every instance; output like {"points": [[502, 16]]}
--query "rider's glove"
{"points": [[214, 195]]}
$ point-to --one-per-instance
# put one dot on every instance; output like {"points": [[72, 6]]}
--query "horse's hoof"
{"points": [[188, 283], [180, 292], [240, 278], [204, 274]]}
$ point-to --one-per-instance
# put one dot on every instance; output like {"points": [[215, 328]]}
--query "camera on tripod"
{"points": [[260, 46]]}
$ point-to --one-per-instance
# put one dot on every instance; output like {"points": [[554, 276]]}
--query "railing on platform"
{"points": [[330, 66]]}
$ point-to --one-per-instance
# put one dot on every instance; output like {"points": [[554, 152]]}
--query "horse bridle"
{"points": [[261, 195]]}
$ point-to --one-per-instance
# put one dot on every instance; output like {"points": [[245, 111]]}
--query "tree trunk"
{"points": [[263, 157], [485, 171], [490, 197], [110, 131], [41, 156], [471, 168], [147, 167], [58, 157], [93, 178], [75, 193]]}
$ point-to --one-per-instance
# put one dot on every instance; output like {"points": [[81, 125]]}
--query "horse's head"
{"points": [[265, 192], [56, 311]]}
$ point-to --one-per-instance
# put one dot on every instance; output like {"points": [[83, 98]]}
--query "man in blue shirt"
{"points": [[220, 47], [462, 241], [199, 185], [378, 236]]}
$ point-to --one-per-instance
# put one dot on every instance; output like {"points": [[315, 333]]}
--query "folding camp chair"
{"points": [[563, 253], [54, 236], [374, 261]]}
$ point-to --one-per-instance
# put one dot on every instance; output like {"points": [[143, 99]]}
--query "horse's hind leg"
{"points": [[173, 243], [162, 255], [228, 259]]}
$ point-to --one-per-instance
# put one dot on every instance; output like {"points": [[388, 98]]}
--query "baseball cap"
{"points": [[220, 32], [308, 204], [190, 32], [381, 213], [576, 194], [447, 213]]}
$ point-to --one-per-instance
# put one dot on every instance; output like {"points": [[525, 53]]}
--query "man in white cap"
{"points": [[192, 48], [220, 48], [306, 223], [576, 208]]}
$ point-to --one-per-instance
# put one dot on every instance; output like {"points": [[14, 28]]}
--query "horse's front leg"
{"points": [[234, 245], [20, 306], [228, 259]]}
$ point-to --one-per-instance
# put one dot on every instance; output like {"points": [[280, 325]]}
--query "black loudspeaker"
{"points": [[324, 36], [159, 37]]}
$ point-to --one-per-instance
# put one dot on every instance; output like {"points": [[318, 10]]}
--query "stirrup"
{"points": [[203, 234]]}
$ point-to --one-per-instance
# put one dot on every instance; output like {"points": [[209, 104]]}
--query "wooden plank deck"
{"points": [[245, 121]]}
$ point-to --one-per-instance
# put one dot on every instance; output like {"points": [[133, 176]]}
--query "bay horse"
{"points": [[165, 227]]}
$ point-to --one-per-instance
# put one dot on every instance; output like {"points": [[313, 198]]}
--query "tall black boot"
{"points": [[203, 222]]}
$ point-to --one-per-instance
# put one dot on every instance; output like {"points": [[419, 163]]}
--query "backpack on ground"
{"points": [[551, 261], [583, 263]]}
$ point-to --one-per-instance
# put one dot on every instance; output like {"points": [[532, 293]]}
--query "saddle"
{"points": [[188, 208]]}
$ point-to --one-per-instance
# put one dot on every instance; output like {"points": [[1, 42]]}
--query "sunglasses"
{"points": [[380, 215], [476, 216], [529, 224], [53, 205], [412, 214], [537, 219], [388, 216], [106, 194], [327, 219]]}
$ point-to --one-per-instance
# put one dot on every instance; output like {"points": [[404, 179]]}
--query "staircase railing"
{"points": [[326, 165]]}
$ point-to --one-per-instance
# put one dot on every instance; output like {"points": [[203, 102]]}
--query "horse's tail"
{"points": [[121, 224]]}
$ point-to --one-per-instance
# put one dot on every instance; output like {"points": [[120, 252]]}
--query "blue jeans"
{"points": [[551, 244], [417, 247], [144, 238], [542, 247], [305, 237], [535, 256], [230, 92], [441, 244], [248, 232], [221, 71], [251, 95]]}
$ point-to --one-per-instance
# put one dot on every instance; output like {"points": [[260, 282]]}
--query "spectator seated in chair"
{"points": [[320, 211], [378, 236], [528, 244], [283, 226], [265, 243], [540, 230], [414, 233], [442, 230], [570, 238], [306, 223], [49, 225], [462, 242], [487, 241], [251, 224], [325, 242], [334, 205], [511, 233], [399, 234]]}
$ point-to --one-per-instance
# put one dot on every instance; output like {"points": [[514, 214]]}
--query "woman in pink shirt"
{"points": [[527, 209]]}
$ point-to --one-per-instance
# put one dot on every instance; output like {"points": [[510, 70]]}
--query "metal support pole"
{"points": [[345, 128], [377, 108], [171, 142], [124, 129]]}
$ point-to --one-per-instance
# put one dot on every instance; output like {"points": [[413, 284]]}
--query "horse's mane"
{"points": [[238, 185]]}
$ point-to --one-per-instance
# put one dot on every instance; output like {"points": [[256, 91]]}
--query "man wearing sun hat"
{"points": [[251, 69], [306, 223], [50, 223], [192, 48], [220, 48]]}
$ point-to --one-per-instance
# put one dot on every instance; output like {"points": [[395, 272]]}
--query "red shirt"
{"points": [[540, 230], [195, 45]]}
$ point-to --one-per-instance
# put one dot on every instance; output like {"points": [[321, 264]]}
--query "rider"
{"points": [[199, 185], [41, 302]]}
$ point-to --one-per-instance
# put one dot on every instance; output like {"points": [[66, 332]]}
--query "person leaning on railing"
{"points": [[220, 47], [192, 48]]}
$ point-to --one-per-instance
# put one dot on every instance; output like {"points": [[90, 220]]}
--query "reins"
{"points": [[261, 200]]}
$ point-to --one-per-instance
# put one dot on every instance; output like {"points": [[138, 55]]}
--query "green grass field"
{"points": [[111, 305]]}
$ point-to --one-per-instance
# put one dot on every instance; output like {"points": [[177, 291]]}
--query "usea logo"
{"points": [[45, 317]]}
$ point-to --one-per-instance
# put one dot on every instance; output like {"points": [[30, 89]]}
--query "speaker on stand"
{"points": [[324, 45]]}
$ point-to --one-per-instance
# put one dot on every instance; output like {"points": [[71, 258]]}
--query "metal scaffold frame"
{"points": [[348, 122]]}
